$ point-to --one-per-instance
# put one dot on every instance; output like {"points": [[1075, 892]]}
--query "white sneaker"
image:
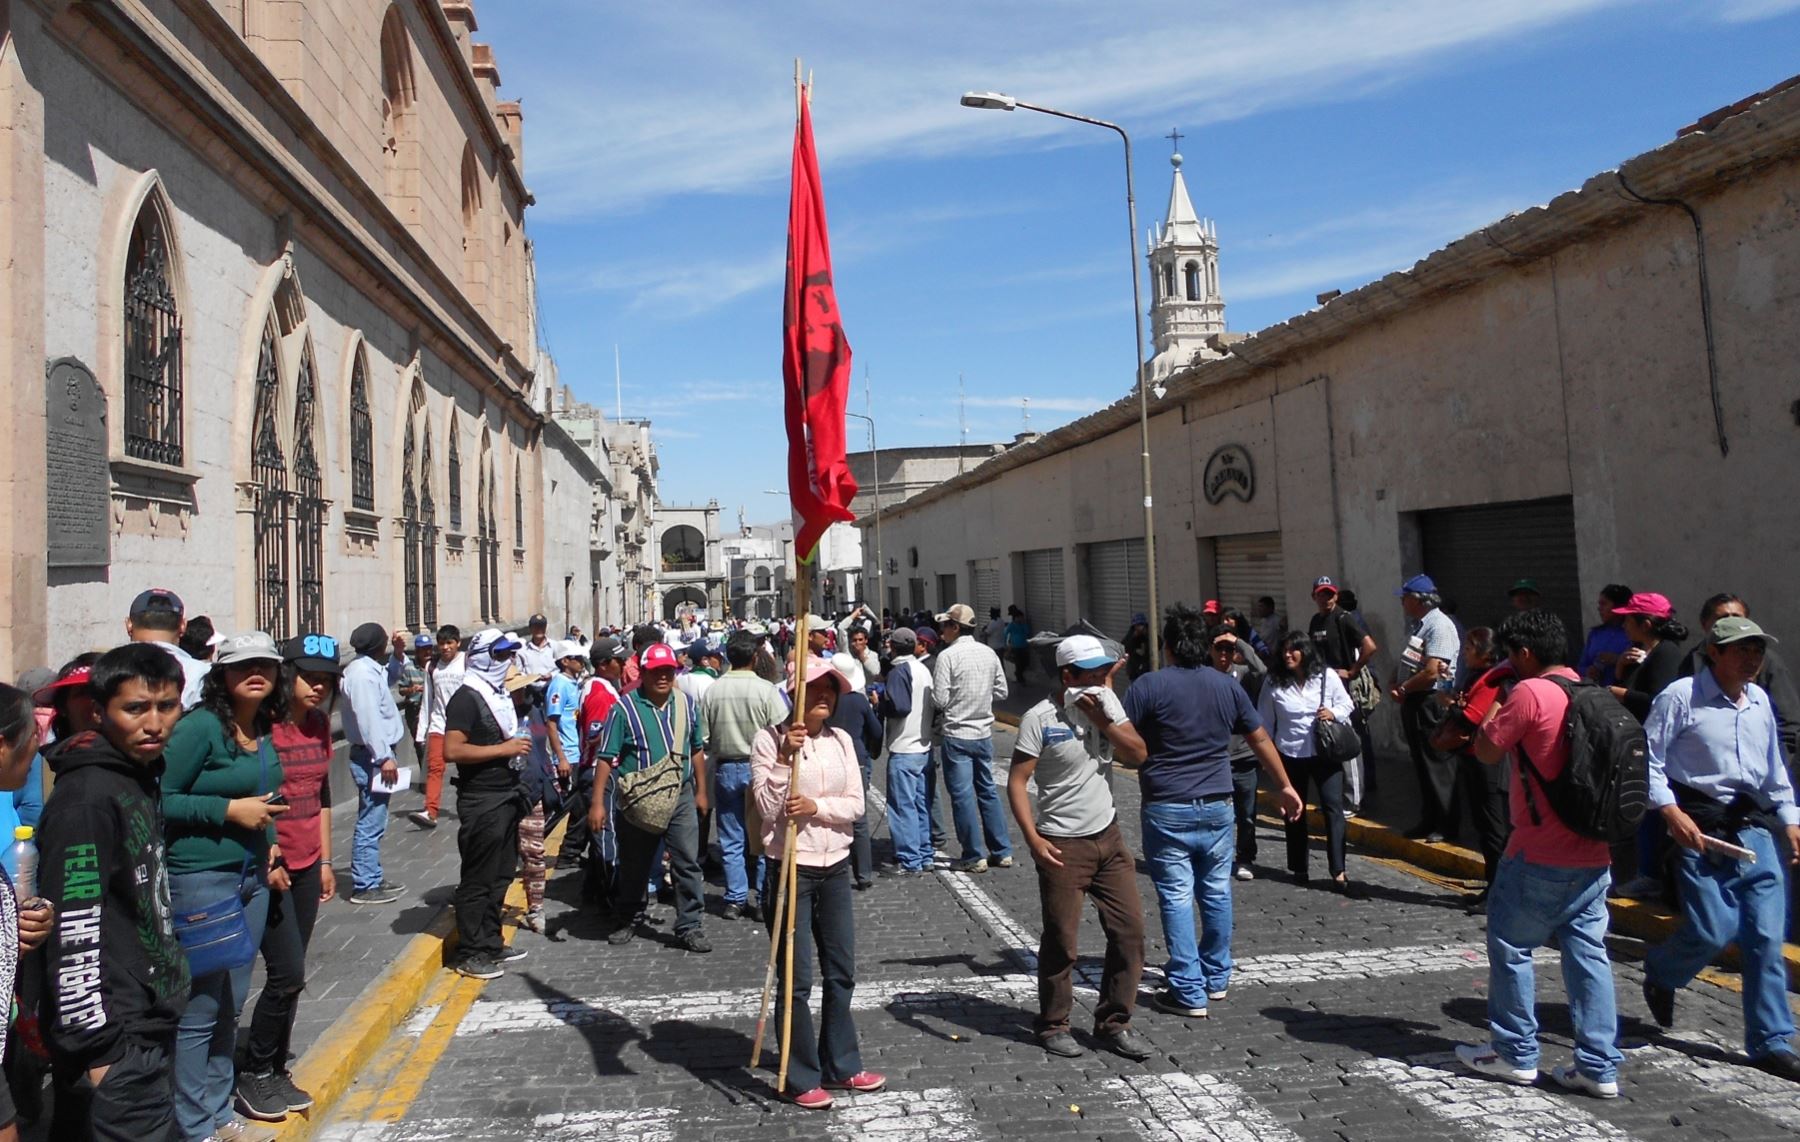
{"points": [[1215, 996], [1244, 872], [1003, 862], [1572, 1078], [1483, 1058]]}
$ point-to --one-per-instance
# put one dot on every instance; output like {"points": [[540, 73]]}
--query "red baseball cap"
{"points": [[658, 656], [46, 695], [1649, 604], [1212, 607]]}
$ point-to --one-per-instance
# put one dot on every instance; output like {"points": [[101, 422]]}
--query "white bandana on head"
{"points": [[487, 675]]}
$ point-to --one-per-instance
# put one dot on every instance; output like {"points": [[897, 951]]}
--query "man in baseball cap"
{"points": [[1427, 669], [538, 655], [1066, 746], [372, 726], [658, 722], [581, 843], [1713, 749], [157, 616], [966, 681]]}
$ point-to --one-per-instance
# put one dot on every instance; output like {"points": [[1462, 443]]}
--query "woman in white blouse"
{"points": [[1299, 693]]}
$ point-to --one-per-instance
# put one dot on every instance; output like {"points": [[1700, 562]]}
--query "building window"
{"points": [[309, 503], [1192, 274], [269, 494], [398, 90], [683, 549], [481, 539], [493, 538], [455, 481], [409, 520], [1168, 281], [518, 508], [362, 439], [153, 391], [427, 536]]}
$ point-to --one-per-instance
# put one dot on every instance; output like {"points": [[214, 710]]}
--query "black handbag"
{"points": [[1333, 740]]}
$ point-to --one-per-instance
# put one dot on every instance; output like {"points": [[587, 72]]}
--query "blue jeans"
{"points": [[974, 799], [909, 813], [1724, 900], [731, 781], [1189, 847], [1527, 905], [371, 824], [206, 1037]]}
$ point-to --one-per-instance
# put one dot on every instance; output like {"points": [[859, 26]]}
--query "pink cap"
{"points": [[659, 655], [818, 671], [1649, 604], [1212, 607]]}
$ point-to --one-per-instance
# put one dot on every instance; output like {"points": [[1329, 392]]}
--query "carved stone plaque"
{"points": [[78, 480]]}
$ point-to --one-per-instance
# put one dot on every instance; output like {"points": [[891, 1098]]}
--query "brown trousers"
{"points": [[1102, 867]]}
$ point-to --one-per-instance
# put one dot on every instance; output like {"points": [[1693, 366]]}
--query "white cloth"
{"points": [[442, 679], [485, 676], [911, 732]]}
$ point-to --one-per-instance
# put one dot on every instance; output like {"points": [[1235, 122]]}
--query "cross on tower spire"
{"points": [[1174, 137]]}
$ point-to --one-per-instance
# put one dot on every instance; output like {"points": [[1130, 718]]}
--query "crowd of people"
{"points": [[187, 824]]}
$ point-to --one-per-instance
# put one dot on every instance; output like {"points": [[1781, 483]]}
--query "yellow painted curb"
{"points": [[1640, 919], [338, 1057]]}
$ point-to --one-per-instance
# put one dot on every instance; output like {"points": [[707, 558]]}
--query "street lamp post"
{"points": [[994, 101], [880, 567]]}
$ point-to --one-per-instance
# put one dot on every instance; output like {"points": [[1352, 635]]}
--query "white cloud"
{"points": [[701, 101]]}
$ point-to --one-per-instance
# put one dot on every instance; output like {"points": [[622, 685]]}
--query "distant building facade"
{"points": [[690, 569]]}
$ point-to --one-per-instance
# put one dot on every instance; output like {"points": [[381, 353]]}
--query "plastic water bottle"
{"points": [[22, 858]]}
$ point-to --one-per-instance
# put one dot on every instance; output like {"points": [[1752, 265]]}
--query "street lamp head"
{"points": [[989, 101]]}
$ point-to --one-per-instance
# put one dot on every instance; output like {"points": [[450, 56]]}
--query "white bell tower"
{"points": [[1184, 275]]}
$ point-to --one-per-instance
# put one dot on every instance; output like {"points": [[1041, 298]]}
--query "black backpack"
{"points": [[1604, 791]]}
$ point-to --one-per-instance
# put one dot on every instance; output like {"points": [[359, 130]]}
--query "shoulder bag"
{"points": [[1333, 740], [217, 937], [646, 797]]}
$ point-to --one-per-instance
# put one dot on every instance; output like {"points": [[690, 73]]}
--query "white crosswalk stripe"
{"points": [[935, 1115], [1489, 1109], [644, 1124], [1733, 1078], [1197, 1108]]}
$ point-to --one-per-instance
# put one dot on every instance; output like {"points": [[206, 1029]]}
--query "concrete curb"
{"points": [[1639, 919], [334, 1062]]}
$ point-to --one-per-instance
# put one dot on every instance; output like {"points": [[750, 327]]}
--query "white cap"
{"points": [[1084, 652], [567, 648]]}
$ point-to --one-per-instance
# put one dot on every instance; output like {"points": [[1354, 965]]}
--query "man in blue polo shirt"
{"points": [[1186, 714]]}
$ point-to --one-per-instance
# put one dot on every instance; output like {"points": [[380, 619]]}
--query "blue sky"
{"points": [[1330, 141]]}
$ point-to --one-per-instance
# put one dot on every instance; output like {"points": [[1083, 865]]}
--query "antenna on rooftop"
{"points": [[618, 384], [962, 420], [1025, 411]]}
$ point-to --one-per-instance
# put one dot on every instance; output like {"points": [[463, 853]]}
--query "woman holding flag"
{"points": [[805, 773]]}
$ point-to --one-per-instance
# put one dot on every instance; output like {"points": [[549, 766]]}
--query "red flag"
{"points": [[815, 358]]}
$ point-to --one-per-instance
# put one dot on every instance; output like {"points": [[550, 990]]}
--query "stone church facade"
{"points": [[286, 241]]}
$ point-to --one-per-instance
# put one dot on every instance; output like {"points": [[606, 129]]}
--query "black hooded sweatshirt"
{"points": [[113, 969]]}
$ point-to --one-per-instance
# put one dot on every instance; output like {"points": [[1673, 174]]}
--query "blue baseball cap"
{"points": [[1325, 583], [424, 642], [1417, 585]]}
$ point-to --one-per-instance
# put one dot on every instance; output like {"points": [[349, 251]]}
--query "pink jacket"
{"points": [[829, 775]]}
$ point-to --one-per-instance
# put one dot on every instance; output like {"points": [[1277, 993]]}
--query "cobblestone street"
{"points": [[1339, 1025]]}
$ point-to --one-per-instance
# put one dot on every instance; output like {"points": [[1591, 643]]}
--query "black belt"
{"points": [[1203, 799]]}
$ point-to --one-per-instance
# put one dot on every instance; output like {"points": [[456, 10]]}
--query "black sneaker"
{"points": [[510, 955], [1781, 1064], [480, 967], [696, 941], [260, 1098], [297, 1099], [376, 895], [422, 819], [747, 911], [1063, 1046], [623, 934], [1661, 1002], [396, 889]]}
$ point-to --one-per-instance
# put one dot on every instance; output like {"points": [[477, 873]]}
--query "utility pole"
{"points": [[962, 420], [618, 384]]}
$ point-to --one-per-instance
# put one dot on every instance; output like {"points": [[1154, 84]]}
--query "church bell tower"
{"points": [[1184, 274]]}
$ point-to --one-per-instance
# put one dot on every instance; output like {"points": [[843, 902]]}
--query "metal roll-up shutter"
{"points": [[1115, 585], [1475, 554], [984, 586], [1249, 567], [1044, 589]]}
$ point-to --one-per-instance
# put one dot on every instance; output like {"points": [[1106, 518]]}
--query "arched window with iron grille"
{"points": [[153, 385], [493, 537], [309, 504], [362, 437], [409, 520], [455, 480], [269, 492], [518, 507], [481, 538], [428, 608]]}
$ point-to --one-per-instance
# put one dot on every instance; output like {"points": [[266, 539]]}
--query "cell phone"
{"points": [[275, 799]]}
